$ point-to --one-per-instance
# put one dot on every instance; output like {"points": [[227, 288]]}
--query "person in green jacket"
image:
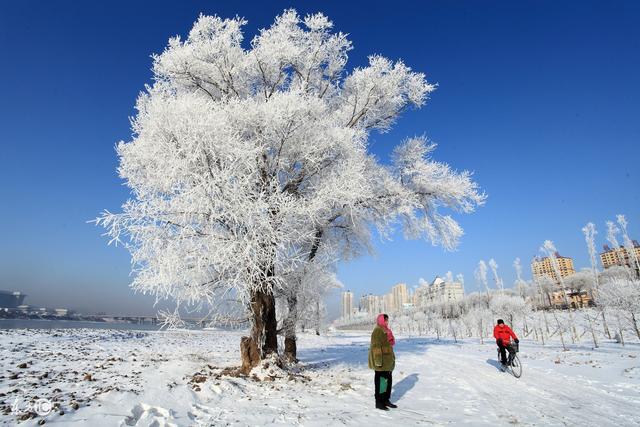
{"points": [[382, 360]]}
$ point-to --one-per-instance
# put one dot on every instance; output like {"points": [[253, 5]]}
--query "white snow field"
{"points": [[126, 378]]}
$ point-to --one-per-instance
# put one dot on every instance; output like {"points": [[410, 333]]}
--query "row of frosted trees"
{"points": [[613, 315], [474, 317]]}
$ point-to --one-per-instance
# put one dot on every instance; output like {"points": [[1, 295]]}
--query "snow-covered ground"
{"points": [[111, 378]]}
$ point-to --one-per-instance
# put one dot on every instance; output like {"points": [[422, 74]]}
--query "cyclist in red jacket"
{"points": [[503, 334]]}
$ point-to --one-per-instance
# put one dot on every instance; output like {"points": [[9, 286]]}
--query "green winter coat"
{"points": [[381, 356]]}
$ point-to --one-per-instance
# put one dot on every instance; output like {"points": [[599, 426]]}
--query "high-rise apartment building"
{"points": [[559, 297], [621, 256], [400, 296], [438, 291], [543, 266], [347, 304], [387, 303]]}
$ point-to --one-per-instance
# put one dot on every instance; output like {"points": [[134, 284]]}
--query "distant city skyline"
{"points": [[538, 265], [400, 297], [537, 99]]}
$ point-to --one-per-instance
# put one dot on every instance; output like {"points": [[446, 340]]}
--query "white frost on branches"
{"points": [[612, 234], [494, 269], [590, 232], [448, 277], [628, 244], [521, 285], [481, 275], [518, 268], [623, 295], [249, 163]]}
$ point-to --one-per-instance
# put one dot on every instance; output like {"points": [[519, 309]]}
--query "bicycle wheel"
{"points": [[516, 367]]}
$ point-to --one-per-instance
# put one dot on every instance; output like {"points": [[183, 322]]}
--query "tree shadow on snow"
{"points": [[356, 354], [400, 389]]}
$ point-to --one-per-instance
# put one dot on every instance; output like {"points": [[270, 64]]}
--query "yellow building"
{"points": [[620, 256], [543, 266], [575, 299]]}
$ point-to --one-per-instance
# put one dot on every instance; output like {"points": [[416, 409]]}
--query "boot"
{"points": [[390, 405], [380, 403]]}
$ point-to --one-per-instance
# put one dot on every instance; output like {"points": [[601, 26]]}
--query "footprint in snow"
{"points": [[144, 415]]}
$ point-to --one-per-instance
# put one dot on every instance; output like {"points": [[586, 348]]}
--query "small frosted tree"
{"points": [[612, 238], [549, 248], [460, 279], [507, 306], [494, 269], [247, 160], [481, 275], [613, 273], [546, 287], [580, 281], [448, 277], [590, 232], [623, 296], [583, 281], [520, 284], [629, 247]]}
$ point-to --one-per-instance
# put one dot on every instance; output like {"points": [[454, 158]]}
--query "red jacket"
{"points": [[504, 333]]}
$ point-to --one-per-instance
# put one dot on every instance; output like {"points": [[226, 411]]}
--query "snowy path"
{"points": [[148, 380], [448, 383], [465, 386]]}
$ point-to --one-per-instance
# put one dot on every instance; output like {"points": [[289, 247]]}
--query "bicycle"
{"points": [[514, 366]]}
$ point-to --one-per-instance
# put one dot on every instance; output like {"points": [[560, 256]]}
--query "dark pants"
{"points": [[503, 352], [382, 398]]}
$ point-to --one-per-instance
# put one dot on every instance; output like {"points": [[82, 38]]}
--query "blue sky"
{"points": [[541, 100]]}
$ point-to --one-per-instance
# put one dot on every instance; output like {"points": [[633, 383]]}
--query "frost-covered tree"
{"points": [[301, 302], [249, 160], [614, 272], [507, 306], [580, 281], [448, 277], [520, 284], [481, 275], [634, 263], [550, 251], [590, 232], [549, 248], [623, 295], [546, 286], [612, 234], [460, 279], [494, 269]]}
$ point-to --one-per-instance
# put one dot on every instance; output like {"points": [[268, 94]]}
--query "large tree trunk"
{"points": [[249, 354], [264, 309], [263, 331], [291, 322], [318, 318], [290, 347]]}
